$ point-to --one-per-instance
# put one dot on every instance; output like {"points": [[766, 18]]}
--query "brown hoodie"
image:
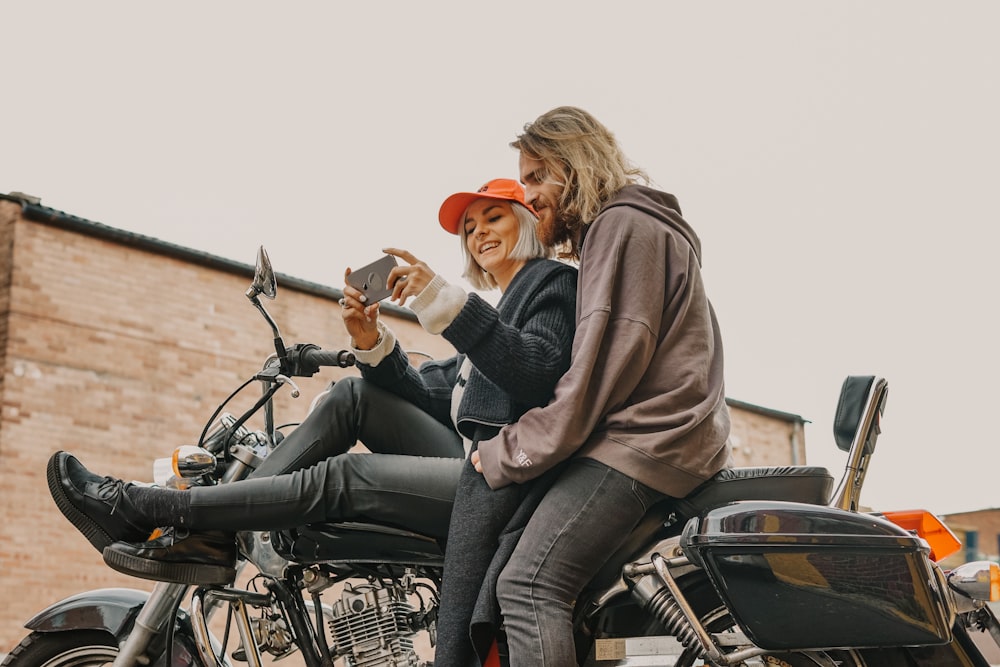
{"points": [[644, 393]]}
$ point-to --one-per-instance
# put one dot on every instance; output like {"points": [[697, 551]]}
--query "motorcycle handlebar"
{"points": [[318, 357]]}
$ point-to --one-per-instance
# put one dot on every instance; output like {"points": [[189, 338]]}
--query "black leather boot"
{"points": [[178, 556], [98, 506]]}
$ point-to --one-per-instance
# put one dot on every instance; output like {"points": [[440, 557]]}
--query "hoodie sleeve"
{"points": [[621, 296]]}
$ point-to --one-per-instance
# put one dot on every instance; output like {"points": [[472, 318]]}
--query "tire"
{"points": [[73, 648], [716, 618]]}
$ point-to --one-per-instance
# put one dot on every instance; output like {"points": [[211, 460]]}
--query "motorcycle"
{"points": [[758, 566]]}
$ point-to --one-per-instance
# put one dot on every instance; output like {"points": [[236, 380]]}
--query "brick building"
{"points": [[979, 532], [117, 347]]}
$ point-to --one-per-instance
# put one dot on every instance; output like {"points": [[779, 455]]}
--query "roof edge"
{"points": [[34, 211], [768, 412]]}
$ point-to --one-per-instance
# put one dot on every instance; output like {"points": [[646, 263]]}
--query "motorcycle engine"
{"points": [[371, 628]]}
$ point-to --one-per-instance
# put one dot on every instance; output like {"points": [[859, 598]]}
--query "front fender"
{"points": [[108, 609]]}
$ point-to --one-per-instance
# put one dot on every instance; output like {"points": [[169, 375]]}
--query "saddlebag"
{"points": [[797, 576]]}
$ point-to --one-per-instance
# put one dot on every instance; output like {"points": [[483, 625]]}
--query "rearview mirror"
{"points": [[264, 283]]}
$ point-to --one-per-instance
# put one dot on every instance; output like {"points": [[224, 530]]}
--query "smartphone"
{"points": [[371, 279]]}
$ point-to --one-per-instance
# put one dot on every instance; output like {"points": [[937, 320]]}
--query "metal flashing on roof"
{"points": [[767, 412], [32, 209]]}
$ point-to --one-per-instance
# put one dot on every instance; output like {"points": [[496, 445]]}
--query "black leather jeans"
{"points": [[408, 480]]}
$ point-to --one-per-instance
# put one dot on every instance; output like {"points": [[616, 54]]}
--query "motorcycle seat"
{"points": [[803, 484]]}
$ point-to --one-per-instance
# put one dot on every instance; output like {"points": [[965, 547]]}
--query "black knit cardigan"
{"points": [[518, 350]]}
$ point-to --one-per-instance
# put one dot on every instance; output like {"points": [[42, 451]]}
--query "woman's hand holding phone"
{"points": [[360, 316], [407, 281], [381, 279]]}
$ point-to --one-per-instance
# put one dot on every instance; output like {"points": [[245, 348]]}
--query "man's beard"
{"points": [[554, 231]]}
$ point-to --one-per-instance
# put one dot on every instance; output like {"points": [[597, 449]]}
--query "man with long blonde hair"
{"points": [[640, 415]]}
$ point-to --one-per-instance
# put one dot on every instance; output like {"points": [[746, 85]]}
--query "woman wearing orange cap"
{"points": [[418, 422]]}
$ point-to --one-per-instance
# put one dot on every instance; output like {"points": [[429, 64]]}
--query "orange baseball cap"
{"points": [[454, 206]]}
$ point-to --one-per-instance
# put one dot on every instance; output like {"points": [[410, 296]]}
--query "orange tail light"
{"points": [[942, 541]]}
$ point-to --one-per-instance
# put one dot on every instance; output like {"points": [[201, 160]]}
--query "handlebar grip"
{"points": [[318, 357]]}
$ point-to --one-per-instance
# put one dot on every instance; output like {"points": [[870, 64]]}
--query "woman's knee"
{"points": [[341, 395], [348, 389]]}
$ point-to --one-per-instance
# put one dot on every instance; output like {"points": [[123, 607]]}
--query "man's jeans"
{"points": [[410, 481], [584, 517]]}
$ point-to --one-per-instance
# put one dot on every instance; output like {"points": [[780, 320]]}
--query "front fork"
{"points": [[160, 608], [165, 599], [308, 641]]}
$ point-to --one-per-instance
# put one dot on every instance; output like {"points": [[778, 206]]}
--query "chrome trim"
{"points": [[246, 633], [709, 649], [848, 493], [150, 620], [204, 600], [260, 551], [970, 585], [202, 638]]}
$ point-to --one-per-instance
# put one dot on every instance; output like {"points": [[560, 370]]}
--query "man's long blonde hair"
{"points": [[584, 155]]}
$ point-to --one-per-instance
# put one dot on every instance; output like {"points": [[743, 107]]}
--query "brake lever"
{"points": [[284, 379], [274, 375]]}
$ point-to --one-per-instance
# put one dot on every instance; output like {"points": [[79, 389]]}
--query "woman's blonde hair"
{"points": [[578, 151], [527, 247]]}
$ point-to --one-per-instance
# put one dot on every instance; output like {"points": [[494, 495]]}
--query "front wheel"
{"points": [[73, 648]]}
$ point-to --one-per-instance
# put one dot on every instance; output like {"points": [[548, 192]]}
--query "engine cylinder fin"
{"points": [[370, 627]]}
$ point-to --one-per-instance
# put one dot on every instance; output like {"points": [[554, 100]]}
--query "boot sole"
{"points": [[90, 529], [176, 573]]}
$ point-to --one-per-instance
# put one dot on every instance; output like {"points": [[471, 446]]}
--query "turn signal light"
{"points": [[942, 541], [189, 461]]}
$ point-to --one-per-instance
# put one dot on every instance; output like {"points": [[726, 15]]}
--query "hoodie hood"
{"points": [[661, 205]]}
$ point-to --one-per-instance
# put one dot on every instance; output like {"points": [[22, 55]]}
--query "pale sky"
{"points": [[839, 160]]}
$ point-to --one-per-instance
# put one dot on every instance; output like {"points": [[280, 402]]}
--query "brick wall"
{"points": [[117, 355], [8, 214], [761, 439], [986, 523], [118, 352]]}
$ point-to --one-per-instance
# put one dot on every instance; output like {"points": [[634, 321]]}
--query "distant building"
{"points": [[766, 437], [979, 532]]}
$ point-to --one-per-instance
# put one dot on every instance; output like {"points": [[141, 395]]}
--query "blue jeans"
{"points": [[583, 519]]}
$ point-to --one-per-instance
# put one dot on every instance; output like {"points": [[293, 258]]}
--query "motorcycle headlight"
{"points": [[187, 463], [979, 580]]}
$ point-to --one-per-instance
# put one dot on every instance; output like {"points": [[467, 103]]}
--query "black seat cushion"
{"points": [[803, 484]]}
